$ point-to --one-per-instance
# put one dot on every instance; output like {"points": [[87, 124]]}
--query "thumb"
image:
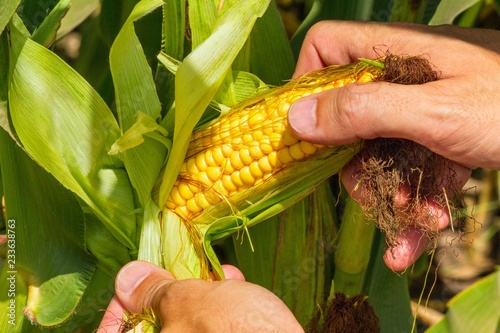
{"points": [[358, 111], [138, 283]]}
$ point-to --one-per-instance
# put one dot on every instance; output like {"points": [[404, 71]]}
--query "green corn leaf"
{"points": [[203, 16], [173, 33], [71, 135], [7, 9], [448, 10], [78, 12], [136, 98], [135, 94], [45, 34], [295, 261], [52, 272], [132, 77], [388, 292], [267, 53], [475, 309]]}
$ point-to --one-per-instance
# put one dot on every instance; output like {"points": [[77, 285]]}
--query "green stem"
{"points": [[374, 63], [353, 252]]}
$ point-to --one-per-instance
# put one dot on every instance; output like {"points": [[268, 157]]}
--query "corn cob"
{"points": [[252, 142]]}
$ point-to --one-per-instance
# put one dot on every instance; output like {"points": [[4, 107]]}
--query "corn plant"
{"points": [[92, 148]]}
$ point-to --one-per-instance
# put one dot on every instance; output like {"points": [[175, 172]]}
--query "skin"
{"points": [[193, 305], [455, 116]]}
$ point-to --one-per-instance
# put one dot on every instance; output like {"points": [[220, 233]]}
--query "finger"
{"points": [[359, 111], [318, 51], [366, 111], [138, 282], [113, 317], [332, 43], [409, 247], [232, 272]]}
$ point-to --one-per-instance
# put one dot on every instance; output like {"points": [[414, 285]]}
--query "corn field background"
{"points": [[79, 79]]}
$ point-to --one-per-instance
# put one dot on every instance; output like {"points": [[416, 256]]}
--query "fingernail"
{"points": [[302, 115], [130, 276]]}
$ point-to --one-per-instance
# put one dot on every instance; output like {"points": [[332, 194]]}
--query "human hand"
{"points": [[193, 305], [454, 116]]}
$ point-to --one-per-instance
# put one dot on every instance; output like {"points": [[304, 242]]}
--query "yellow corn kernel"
{"points": [[256, 119], [191, 167], [274, 161], [245, 155], [214, 173], [192, 206], [209, 158], [236, 161], [288, 138], [217, 155], [296, 153], [308, 148], [176, 198], [255, 152], [201, 163], [264, 164], [201, 200], [276, 141], [227, 167], [284, 155], [255, 170], [184, 190], [227, 150], [228, 183], [266, 147], [236, 179], [246, 176], [194, 188]]}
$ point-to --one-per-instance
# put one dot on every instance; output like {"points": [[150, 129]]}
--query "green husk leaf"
{"points": [[181, 253], [134, 136], [201, 74], [150, 243], [73, 130]]}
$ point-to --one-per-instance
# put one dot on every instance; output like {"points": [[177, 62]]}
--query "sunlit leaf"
{"points": [[54, 270], [475, 309], [78, 12], [72, 133], [6, 10], [448, 10], [45, 34]]}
